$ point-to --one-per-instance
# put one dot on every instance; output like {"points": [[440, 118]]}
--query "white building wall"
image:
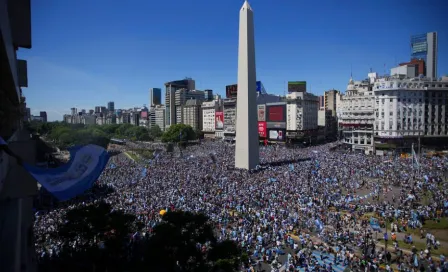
{"points": [[159, 113]]}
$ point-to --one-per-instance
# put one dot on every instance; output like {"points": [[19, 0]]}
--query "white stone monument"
{"points": [[246, 147]]}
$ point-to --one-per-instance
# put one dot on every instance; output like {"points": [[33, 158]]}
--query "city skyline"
{"points": [[63, 68]]}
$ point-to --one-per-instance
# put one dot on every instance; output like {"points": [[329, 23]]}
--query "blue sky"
{"points": [[88, 52]]}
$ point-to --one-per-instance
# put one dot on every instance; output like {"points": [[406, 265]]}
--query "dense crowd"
{"points": [[299, 209]]}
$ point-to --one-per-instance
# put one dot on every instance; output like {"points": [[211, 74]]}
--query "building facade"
{"points": [[394, 112], [155, 96], [170, 97], [209, 115], [192, 114], [229, 109], [358, 114], [110, 106], [424, 46], [159, 116], [43, 114], [302, 116]]}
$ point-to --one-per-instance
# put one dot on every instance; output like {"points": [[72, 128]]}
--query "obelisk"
{"points": [[246, 147]]}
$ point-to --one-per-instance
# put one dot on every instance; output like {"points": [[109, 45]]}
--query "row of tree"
{"points": [[106, 241], [65, 135]]}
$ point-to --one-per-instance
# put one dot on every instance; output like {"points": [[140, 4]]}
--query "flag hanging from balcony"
{"points": [[74, 178]]}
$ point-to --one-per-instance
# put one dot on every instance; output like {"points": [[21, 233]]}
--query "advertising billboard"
{"points": [[277, 134], [296, 86], [219, 120], [261, 109], [262, 129], [276, 113], [144, 114], [281, 125], [232, 90]]}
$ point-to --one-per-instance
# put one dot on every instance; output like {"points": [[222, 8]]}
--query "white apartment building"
{"points": [[411, 107], [159, 116], [357, 114], [393, 109], [301, 112], [209, 110]]}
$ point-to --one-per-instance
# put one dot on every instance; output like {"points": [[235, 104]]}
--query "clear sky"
{"points": [[88, 52]]}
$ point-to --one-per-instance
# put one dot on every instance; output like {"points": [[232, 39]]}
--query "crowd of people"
{"points": [[301, 209]]}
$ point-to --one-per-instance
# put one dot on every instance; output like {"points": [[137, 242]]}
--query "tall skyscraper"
{"points": [[424, 46], [111, 106], [155, 96], [246, 146]]}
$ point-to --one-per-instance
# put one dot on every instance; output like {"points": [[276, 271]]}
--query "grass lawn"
{"points": [[132, 156], [419, 246]]}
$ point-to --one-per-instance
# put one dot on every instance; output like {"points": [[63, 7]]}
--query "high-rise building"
{"points": [[424, 46], [246, 146], [110, 106], [155, 96], [208, 95], [43, 114], [192, 113], [159, 116], [321, 102], [170, 97]]}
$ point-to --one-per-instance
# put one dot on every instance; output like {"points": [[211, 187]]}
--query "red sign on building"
{"points": [[262, 129]]}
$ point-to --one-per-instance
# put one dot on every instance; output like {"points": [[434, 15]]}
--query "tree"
{"points": [[179, 133], [175, 240], [104, 243], [155, 131], [199, 134], [90, 227]]}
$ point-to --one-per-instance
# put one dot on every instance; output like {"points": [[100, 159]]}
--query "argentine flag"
{"points": [[74, 178]]}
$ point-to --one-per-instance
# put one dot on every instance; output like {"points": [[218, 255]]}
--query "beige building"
{"points": [[192, 114]]}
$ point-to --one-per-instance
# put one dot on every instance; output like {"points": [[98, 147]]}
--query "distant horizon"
{"points": [[89, 53]]}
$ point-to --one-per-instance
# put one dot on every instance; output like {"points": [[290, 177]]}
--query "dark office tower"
{"points": [[97, 109], [43, 114], [111, 106], [155, 96], [208, 95], [91, 112]]}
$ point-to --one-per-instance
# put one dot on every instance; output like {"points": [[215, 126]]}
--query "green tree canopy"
{"points": [[155, 131], [66, 135], [179, 133]]}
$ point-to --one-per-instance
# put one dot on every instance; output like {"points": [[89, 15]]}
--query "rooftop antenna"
{"points": [[351, 71]]}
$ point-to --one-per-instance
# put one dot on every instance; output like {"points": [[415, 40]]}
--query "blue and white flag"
{"points": [[74, 178]]}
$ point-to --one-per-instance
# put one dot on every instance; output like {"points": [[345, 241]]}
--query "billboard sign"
{"points": [[219, 120], [262, 129], [276, 113], [276, 134], [296, 86], [144, 114], [281, 125], [261, 109], [231, 91]]}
